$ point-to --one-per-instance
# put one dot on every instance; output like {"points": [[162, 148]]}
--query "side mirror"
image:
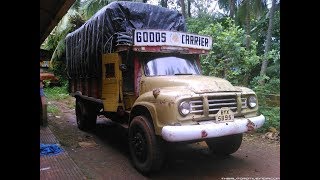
{"points": [[123, 67]]}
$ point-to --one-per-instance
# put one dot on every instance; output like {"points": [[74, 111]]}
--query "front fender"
{"points": [[152, 111], [162, 109]]}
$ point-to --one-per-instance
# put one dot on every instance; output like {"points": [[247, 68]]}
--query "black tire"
{"points": [[225, 145], [145, 148], [86, 116]]}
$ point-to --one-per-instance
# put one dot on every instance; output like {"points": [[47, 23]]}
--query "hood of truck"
{"points": [[195, 83]]}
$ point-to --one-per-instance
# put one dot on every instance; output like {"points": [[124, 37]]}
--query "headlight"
{"points": [[252, 101], [184, 108]]}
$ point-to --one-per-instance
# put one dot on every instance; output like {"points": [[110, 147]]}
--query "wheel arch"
{"points": [[95, 104], [145, 110]]}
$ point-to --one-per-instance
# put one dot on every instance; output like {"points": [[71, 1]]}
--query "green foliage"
{"points": [[259, 33], [272, 79], [46, 83], [250, 8], [56, 93], [56, 41], [195, 25], [75, 17], [274, 63], [58, 33], [90, 7], [53, 109], [229, 58], [59, 69], [76, 5], [272, 115], [201, 7], [276, 25], [260, 28], [272, 86]]}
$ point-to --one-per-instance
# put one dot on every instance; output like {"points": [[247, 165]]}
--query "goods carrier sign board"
{"points": [[147, 37]]}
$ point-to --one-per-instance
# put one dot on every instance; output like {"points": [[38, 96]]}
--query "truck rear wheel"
{"points": [[145, 149], [86, 117], [225, 145]]}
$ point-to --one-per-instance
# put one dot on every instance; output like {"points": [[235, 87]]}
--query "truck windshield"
{"points": [[170, 65]]}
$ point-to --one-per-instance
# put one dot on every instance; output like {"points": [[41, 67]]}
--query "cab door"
{"points": [[111, 82]]}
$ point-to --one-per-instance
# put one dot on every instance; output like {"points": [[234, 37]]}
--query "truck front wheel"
{"points": [[86, 118], [144, 147], [225, 145]]}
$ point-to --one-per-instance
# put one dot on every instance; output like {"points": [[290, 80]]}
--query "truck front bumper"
{"points": [[204, 131]]}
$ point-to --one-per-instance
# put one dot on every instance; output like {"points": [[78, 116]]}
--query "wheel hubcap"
{"points": [[139, 146]]}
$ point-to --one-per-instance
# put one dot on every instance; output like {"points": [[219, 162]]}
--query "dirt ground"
{"points": [[103, 153]]}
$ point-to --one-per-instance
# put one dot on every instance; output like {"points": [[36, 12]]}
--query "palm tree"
{"points": [[76, 5], [76, 16], [244, 11], [75, 20], [268, 42], [90, 7], [189, 8], [247, 10], [183, 8], [228, 5], [53, 42]]}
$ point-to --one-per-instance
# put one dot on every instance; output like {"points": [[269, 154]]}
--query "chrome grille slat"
{"points": [[219, 100], [193, 102], [217, 109], [196, 111], [196, 106], [222, 104]]}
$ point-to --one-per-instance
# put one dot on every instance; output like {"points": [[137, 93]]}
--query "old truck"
{"points": [[135, 64]]}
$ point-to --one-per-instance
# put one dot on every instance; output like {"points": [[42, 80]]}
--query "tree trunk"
{"points": [[164, 3], [183, 8], [268, 42], [232, 6], [189, 8]]}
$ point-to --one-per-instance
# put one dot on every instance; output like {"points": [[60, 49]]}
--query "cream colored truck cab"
{"points": [[155, 89]]}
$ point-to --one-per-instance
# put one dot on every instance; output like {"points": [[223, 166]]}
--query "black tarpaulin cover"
{"points": [[99, 34]]}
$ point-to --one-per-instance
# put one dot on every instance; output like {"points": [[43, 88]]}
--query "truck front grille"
{"points": [[217, 102], [196, 106]]}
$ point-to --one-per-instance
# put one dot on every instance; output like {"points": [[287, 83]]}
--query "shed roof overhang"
{"points": [[51, 12]]}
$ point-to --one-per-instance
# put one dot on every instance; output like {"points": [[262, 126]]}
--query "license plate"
{"points": [[224, 114]]}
